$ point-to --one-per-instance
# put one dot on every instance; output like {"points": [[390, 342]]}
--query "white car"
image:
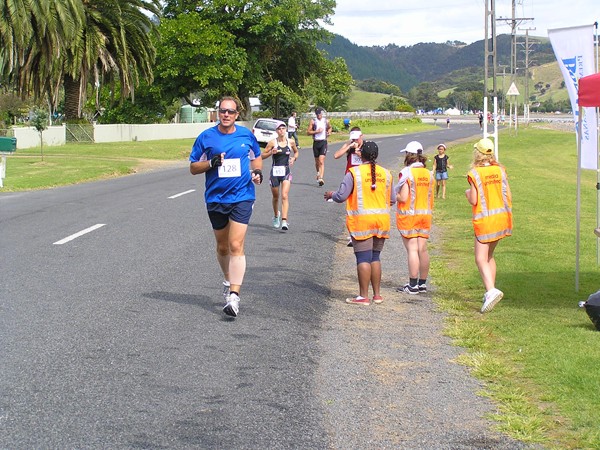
{"points": [[265, 130]]}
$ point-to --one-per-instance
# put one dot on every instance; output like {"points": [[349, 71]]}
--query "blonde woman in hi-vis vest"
{"points": [[489, 195]]}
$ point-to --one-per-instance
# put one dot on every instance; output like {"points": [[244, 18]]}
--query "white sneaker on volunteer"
{"points": [[491, 298]]}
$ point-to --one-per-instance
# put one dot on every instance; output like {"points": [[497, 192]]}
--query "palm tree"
{"points": [[56, 24], [33, 36], [15, 32], [115, 46]]}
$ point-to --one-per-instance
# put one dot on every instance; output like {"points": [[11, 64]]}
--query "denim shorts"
{"points": [[441, 176]]}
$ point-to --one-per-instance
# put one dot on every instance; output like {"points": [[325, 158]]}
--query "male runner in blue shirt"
{"points": [[231, 159]]}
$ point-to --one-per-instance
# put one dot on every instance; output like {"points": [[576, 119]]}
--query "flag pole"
{"points": [[598, 163], [578, 209]]}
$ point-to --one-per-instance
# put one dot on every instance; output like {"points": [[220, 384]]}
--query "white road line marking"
{"points": [[183, 193], [81, 233]]}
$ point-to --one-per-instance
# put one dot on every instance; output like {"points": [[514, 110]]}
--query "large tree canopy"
{"points": [[72, 43], [241, 48], [114, 45], [197, 58], [208, 48], [33, 38]]}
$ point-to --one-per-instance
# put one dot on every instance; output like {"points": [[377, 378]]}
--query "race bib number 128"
{"points": [[230, 168]]}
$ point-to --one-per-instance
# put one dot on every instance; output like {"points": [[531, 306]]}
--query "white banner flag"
{"points": [[574, 50]]}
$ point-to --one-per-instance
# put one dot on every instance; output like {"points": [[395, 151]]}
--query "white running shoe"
{"points": [[284, 225], [226, 287], [491, 298], [277, 220], [232, 307]]}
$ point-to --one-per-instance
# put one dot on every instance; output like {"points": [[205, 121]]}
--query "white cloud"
{"points": [[382, 23]]}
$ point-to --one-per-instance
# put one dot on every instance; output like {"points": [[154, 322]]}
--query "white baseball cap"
{"points": [[412, 147], [356, 134]]}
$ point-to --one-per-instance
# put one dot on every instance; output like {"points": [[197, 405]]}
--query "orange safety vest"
{"points": [[413, 217], [492, 215], [368, 211]]}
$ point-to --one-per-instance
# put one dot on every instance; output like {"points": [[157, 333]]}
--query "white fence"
{"points": [[28, 137]]}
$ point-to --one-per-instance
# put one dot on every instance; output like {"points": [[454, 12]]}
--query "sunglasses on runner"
{"points": [[228, 111]]}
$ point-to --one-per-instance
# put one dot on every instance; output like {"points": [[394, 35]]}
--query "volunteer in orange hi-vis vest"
{"points": [[367, 191], [489, 195], [414, 197]]}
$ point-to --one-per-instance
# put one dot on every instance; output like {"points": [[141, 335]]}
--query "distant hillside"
{"points": [[364, 63], [364, 101], [441, 63]]}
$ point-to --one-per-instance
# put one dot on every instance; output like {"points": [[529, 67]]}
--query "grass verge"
{"points": [[76, 162], [537, 352]]}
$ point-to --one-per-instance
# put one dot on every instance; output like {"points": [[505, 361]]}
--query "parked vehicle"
{"points": [[265, 130]]}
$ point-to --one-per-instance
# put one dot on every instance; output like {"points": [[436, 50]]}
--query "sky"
{"points": [[381, 22]]}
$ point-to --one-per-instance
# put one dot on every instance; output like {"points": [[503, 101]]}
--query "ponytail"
{"points": [[373, 174], [369, 152]]}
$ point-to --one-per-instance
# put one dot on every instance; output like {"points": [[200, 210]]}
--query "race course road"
{"points": [[113, 336]]}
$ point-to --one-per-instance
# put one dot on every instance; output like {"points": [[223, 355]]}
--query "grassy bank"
{"points": [[538, 353], [76, 163]]}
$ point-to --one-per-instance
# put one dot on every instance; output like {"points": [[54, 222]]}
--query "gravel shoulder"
{"points": [[387, 376]]}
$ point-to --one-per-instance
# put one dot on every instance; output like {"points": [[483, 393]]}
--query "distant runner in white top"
{"points": [[293, 128], [319, 128]]}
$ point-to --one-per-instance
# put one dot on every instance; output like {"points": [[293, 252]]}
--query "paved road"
{"points": [[115, 338]]}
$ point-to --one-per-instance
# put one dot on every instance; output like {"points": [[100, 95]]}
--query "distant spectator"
{"points": [[440, 169], [292, 128]]}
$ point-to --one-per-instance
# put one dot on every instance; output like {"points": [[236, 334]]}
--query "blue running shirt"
{"points": [[240, 146]]}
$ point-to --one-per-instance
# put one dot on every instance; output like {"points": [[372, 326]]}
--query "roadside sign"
{"points": [[512, 90]]}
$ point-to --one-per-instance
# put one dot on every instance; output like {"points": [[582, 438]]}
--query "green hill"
{"points": [[443, 64], [448, 66], [364, 101], [545, 83]]}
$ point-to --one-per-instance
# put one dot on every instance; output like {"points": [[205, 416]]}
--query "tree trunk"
{"points": [[246, 108], [72, 110], [41, 145]]}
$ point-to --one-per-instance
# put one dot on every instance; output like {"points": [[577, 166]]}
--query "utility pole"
{"points": [[490, 45], [503, 107], [514, 21], [527, 50]]}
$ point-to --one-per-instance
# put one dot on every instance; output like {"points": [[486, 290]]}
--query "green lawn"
{"points": [[537, 351], [75, 163]]}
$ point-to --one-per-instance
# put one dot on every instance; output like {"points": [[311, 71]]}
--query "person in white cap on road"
{"points": [[351, 149], [284, 153]]}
